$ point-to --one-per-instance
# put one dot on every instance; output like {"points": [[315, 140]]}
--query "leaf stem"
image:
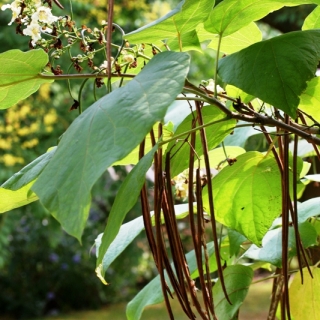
{"points": [[216, 67], [81, 76], [181, 135]]}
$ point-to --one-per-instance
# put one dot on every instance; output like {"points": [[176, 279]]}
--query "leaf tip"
{"points": [[99, 271]]}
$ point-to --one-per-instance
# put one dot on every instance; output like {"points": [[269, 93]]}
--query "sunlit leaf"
{"points": [[19, 75], [305, 297], [247, 195], [217, 157], [105, 133], [15, 199], [237, 41], [189, 41], [30, 172], [235, 92], [313, 20], [237, 280], [266, 71], [215, 134], [230, 16], [310, 99], [184, 18]]}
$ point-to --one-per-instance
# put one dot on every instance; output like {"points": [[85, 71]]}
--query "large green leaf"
{"points": [[30, 172], [215, 134], [188, 41], [271, 250], [313, 20], [310, 99], [235, 239], [305, 297], [275, 70], [19, 75], [241, 39], [125, 199], [235, 92], [237, 280], [105, 133], [230, 16], [15, 199], [184, 18], [247, 195], [133, 156], [217, 157]]}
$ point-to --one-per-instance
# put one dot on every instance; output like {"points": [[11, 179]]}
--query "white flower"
{"points": [[210, 86], [37, 3], [181, 185], [34, 31], [104, 65], [15, 7], [43, 14], [128, 58]]}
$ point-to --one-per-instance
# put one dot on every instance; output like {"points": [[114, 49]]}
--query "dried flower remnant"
{"points": [[75, 105], [99, 82]]}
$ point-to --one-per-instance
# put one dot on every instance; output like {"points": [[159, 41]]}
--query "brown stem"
{"points": [[255, 117], [285, 221], [109, 36], [210, 196]]}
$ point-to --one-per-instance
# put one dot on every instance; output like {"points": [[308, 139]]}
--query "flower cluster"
{"points": [[181, 182], [32, 17], [59, 36]]}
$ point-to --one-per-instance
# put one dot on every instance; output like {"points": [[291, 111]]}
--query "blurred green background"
{"points": [[44, 271]]}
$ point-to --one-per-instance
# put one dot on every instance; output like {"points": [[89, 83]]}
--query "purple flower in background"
{"points": [[76, 258], [50, 295], [53, 257]]}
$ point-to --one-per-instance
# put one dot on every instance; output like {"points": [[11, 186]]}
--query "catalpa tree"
{"points": [[238, 205]]}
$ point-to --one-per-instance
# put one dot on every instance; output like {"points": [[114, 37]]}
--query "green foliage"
{"points": [[248, 213], [271, 76], [19, 75], [218, 131], [126, 198], [113, 136], [183, 19], [270, 85], [308, 290], [232, 15], [15, 199], [238, 279]]}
